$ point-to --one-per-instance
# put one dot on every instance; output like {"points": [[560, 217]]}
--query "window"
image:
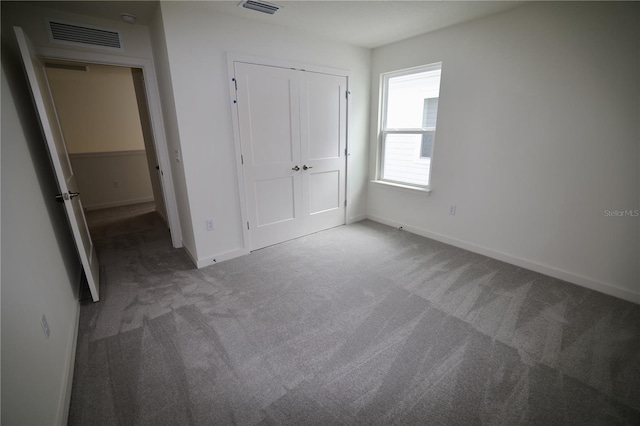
{"points": [[408, 128]]}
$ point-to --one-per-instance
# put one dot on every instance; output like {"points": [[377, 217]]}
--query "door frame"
{"points": [[233, 57], [155, 112]]}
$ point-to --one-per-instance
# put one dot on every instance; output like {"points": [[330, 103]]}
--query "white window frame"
{"points": [[383, 131]]}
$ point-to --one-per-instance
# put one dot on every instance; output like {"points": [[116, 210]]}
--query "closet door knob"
{"points": [[295, 169], [305, 167]]}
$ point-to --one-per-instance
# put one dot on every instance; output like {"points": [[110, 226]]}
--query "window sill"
{"points": [[407, 188]]}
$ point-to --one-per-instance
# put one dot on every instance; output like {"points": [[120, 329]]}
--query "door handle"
{"points": [[295, 169], [305, 167], [64, 196]]}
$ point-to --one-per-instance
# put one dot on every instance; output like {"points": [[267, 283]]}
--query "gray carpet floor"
{"points": [[360, 324]]}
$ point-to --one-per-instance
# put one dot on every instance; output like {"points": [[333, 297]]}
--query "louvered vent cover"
{"points": [[260, 6], [83, 35]]}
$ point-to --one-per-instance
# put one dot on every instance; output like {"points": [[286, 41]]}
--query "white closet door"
{"points": [[323, 143], [269, 123], [292, 127]]}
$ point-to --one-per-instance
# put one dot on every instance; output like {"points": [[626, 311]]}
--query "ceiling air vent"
{"points": [[260, 6], [84, 35]]}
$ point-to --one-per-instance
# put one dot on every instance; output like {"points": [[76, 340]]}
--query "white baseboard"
{"points": [[191, 256], [67, 384], [212, 260], [118, 203], [357, 218], [609, 289]]}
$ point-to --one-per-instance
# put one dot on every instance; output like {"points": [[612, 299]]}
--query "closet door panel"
{"points": [[269, 125], [324, 139]]}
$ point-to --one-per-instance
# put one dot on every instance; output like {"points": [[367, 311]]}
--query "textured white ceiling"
{"points": [[104, 9], [362, 23], [370, 23]]}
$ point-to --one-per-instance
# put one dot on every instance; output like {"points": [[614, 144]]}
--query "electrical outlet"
{"points": [[45, 326], [452, 209], [209, 223]]}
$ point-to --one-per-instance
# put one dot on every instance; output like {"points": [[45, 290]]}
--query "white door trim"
{"points": [[282, 63], [155, 112], [233, 57]]}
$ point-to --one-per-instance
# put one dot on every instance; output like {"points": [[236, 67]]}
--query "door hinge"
{"points": [[241, 159], [345, 202], [346, 94], [345, 151], [248, 225]]}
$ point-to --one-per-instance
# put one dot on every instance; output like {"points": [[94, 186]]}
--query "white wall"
{"points": [[40, 267], [112, 179], [97, 108], [196, 41], [165, 87], [537, 137], [32, 18]]}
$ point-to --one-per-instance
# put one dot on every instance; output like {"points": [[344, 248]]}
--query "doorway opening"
{"points": [[104, 116]]}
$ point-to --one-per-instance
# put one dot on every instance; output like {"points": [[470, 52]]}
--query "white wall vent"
{"points": [[260, 6], [84, 35]]}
